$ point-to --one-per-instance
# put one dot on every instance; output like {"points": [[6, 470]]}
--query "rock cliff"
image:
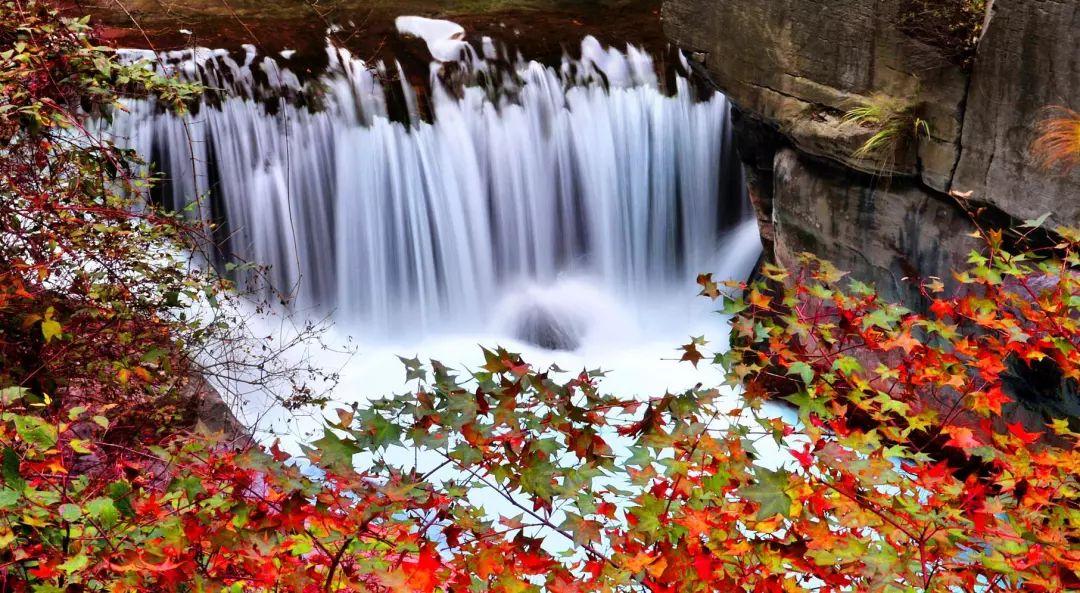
{"points": [[794, 67]]}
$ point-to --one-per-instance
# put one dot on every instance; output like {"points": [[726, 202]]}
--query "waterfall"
{"points": [[404, 212]]}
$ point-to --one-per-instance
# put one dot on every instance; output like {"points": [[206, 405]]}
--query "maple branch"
{"points": [[543, 521]]}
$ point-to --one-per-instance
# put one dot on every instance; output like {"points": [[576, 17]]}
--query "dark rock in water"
{"points": [[542, 327]]}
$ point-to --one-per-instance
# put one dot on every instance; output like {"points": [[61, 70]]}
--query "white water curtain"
{"points": [[588, 169]]}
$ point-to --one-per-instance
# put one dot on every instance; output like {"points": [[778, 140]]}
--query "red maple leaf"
{"points": [[942, 308], [422, 572], [1017, 430]]}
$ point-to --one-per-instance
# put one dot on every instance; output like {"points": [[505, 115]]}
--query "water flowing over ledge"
{"points": [[524, 178]]}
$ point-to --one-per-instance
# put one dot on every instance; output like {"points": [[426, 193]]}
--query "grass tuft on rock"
{"points": [[896, 123]]}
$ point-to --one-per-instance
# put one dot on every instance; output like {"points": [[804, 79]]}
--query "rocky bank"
{"points": [[794, 67]]}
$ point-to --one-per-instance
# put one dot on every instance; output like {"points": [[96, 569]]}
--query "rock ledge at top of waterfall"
{"points": [[445, 39]]}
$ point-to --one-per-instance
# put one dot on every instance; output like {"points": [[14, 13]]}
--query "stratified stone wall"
{"points": [[1028, 59], [793, 67]]}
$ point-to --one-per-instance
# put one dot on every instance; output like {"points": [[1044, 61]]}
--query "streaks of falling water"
{"points": [[523, 172]]}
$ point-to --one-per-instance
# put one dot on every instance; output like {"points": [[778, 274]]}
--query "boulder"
{"points": [[540, 326]]}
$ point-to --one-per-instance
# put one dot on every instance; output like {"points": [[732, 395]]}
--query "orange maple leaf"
{"points": [[961, 437]]}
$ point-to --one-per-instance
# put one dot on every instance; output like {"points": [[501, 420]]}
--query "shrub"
{"points": [[88, 293], [98, 340], [101, 300], [191, 514]]}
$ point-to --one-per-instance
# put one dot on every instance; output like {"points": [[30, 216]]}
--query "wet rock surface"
{"points": [[1029, 59], [547, 329], [888, 232], [801, 64]]}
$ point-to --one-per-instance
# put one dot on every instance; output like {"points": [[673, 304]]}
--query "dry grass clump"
{"points": [[1058, 144]]}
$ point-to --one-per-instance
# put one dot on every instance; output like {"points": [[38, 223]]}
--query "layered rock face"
{"points": [[1028, 59], [794, 67], [886, 233]]}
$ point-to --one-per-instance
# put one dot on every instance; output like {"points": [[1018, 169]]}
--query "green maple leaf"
{"points": [[584, 530], [104, 510], [733, 306], [768, 490], [383, 432], [648, 514], [809, 405], [536, 479], [803, 370], [847, 365], [336, 453], [413, 369], [36, 431], [639, 457]]}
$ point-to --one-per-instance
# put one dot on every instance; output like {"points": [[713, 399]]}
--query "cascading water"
{"points": [[524, 179]]}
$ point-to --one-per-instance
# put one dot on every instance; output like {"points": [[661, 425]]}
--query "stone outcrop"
{"points": [[794, 67], [1029, 58], [886, 231], [212, 412]]}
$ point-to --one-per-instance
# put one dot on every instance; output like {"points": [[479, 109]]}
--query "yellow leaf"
{"points": [[79, 446], [50, 329], [33, 521], [1060, 426]]}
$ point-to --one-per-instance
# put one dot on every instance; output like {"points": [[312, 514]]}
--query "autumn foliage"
{"points": [[858, 445]]}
